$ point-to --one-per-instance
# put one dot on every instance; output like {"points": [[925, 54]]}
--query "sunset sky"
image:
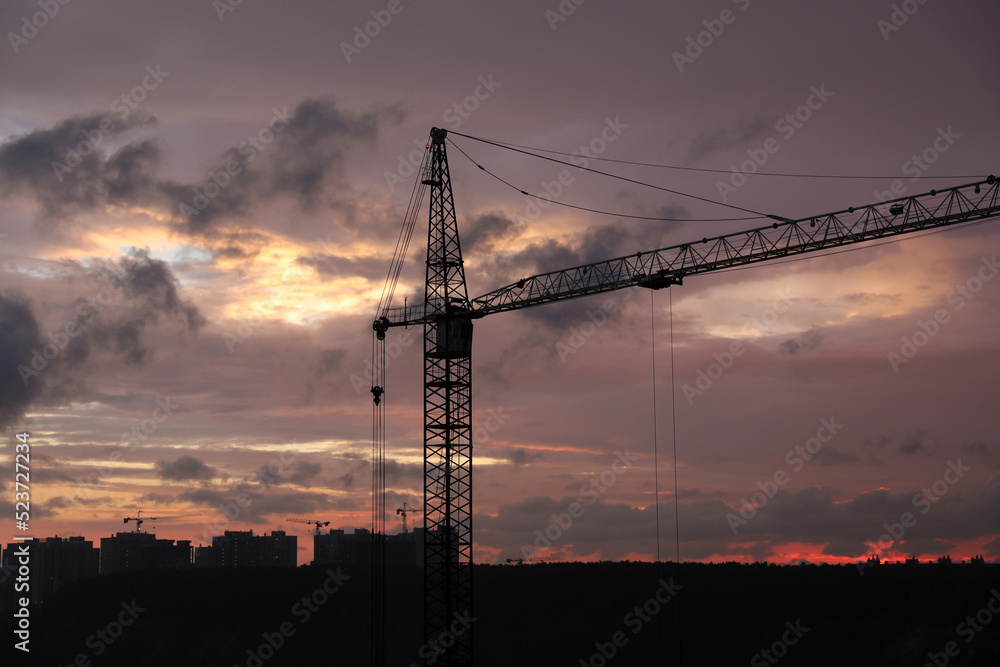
{"points": [[200, 203]]}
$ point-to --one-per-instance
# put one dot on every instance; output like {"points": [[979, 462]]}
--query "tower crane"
{"points": [[447, 315], [401, 511], [318, 524], [139, 519]]}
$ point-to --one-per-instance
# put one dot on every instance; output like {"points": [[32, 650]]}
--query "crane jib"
{"points": [[657, 269]]}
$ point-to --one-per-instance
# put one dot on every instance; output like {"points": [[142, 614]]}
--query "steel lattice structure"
{"points": [[447, 420], [447, 314]]}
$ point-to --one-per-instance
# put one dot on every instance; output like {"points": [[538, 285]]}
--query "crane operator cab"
{"points": [[452, 338]]}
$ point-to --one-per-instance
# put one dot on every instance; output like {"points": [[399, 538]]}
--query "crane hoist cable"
{"points": [[593, 210], [378, 544], [508, 144], [624, 178]]}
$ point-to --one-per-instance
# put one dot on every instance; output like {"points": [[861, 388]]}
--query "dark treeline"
{"points": [[540, 614]]}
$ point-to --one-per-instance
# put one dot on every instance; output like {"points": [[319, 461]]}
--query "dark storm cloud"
{"points": [[301, 473], [47, 364], [739, 137], [807, 342], [483, 231], [19, 334], [156, 499], [315, 143], [878, 443], [183, 469], [864, 298], [520, 456], [62, 502], [258, 507], [151, 283], [913, 442], [334, 266], [305, 473], [80, 165], [328, 362], [808, 515], [610, 529], [299, 154], [73, 166], [980, 448], [595, 244], [829, 456]]}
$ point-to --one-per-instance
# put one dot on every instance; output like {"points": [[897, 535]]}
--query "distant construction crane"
{"points": [[318, 524], [447, 315], [139, 519], [402, 511]]}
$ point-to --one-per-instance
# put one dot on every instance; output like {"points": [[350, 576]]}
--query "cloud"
{"points": [[156, 499], [46, 363], [829, 456], [306, 154], [304, 472], [327, 363], [807, 342], [487, 229], [913, 442], [740, 136], [878, 443], [865, 298], [337, 266], [183, 469], [520, 456], [305, 161], [72, 167], [980, 448], [19, 335]]}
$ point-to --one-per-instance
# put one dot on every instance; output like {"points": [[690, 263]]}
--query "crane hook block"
{"points": [[377, 394]]}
